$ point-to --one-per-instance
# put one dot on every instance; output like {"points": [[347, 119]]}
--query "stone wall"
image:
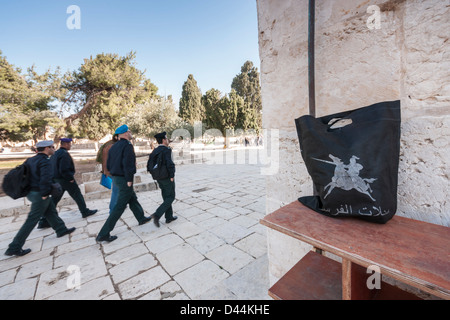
{"points": [[407, 59]]}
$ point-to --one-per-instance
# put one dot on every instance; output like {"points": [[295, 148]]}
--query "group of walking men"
{"points": [[48, 166]]}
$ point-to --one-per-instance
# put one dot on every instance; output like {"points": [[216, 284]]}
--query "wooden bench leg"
{"points": [[354, 282]]}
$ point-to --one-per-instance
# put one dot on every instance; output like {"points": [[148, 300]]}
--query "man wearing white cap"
{"points": [[63, 173], [41, 178]]}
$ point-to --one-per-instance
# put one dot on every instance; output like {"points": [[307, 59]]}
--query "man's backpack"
{"points": [[16, 183], [156, 167]]}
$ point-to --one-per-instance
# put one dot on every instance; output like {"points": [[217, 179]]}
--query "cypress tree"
{"points": [[191, 108]]}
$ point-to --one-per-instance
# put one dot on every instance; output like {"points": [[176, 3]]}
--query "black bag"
{"points": [[157, 167], [352, 158], [57, 190], [16, 183]]}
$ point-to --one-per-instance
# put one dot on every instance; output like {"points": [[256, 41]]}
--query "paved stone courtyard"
{"points": [[215, 250]]}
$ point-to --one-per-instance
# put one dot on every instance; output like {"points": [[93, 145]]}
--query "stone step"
{"points": [[141, 168], [94, 177], [93, 186], [22, 206], [90, 177]]}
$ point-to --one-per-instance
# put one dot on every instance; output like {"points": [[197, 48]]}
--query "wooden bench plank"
{"points": [[414, 252]]}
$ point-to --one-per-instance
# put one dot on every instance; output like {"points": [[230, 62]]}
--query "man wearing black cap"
{"points": [[121, 163], [167, 185], [41, 174], [63, 173]]}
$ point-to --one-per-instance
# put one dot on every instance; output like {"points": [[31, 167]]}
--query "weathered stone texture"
{"points": [[424, 173], [426, 58], [407, 59]]}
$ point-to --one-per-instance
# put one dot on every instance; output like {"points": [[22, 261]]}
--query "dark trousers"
{"points": [[168, 194], [39, 208], [74, 191], [126, 196]]}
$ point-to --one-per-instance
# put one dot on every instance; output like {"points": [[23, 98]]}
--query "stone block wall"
{"points": [[407, 58]]}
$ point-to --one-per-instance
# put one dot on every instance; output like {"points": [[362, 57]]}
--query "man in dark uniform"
{"points": [[41, 176], [63, 173], [167, 185], [121, 164]]}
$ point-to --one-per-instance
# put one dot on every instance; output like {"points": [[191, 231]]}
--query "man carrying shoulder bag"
{"points": [[162, 169], [42, 205]]}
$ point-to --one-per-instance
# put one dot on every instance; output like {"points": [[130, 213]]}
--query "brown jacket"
{"points": [[105, 158]]}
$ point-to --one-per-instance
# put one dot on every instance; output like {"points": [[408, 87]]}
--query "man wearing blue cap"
{"points": [[41, 174], [121, 164], [63, 173]]}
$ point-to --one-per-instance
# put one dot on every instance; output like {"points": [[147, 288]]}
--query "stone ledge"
{"points": [[24, 208]]}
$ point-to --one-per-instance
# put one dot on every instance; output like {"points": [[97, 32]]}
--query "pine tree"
{"points": [[104, 90]]}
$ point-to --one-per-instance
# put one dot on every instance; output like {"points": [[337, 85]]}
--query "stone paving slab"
{"points": [[215, 250]]}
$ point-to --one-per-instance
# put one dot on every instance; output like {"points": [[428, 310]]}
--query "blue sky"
{"points": [[210, 39]]}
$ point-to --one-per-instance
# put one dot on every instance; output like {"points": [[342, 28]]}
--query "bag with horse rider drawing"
{"points": [[353, 158]]}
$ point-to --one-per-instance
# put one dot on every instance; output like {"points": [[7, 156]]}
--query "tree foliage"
{"points": [[210, 102], [108, 90], [247, 85], [241, 108], [26, 102], [191, 108], [152, 117], [103, 91]]}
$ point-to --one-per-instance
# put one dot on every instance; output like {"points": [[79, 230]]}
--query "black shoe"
{"points": [[145, 220], [43, 225], [155, 220], [89, 213], [171, 219], [68, 231], [106, 238], [18, 253]]}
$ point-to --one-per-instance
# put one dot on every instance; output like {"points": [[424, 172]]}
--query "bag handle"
{"points": [[337, 123]]}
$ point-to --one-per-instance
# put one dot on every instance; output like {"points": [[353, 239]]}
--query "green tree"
{"points": [[191, 108], [222, 112], [103, 91], [247, 85], [210, 102], [229, 110], [26, 102], [152, 117]]}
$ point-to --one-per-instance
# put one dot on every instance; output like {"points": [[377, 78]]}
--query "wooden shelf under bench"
{"points": [[410, 251]]}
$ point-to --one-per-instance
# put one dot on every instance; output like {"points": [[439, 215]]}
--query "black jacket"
{"points": [[63, 166], [122, 160], [41, 174], [167, 159]]}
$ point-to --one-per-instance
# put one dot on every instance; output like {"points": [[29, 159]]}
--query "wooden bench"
{"points": [[410, 251]]}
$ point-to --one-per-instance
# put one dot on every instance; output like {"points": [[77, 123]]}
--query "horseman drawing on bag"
{"points": [[346, 177]]}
